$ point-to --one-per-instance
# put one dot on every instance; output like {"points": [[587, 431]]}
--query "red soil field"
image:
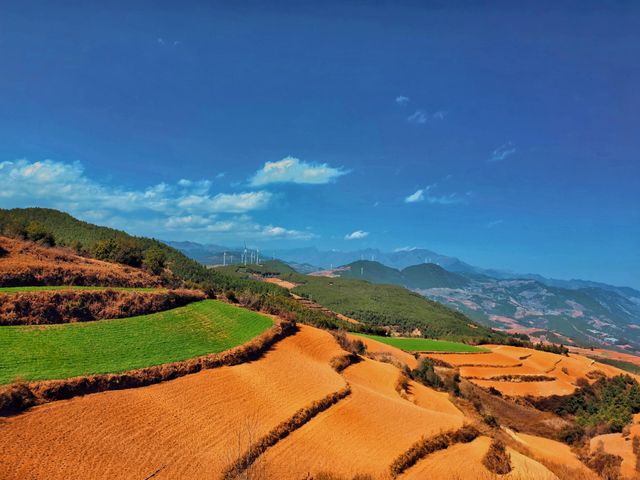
{"points": [[611, 354], [464, 461], [191, 427], [620, 444], [362, 434], [198, 425], [28, 264], [280, 283], [519, 363], [550, 450]]}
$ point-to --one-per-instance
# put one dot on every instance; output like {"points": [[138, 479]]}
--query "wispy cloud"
{"points": [[405, 249], [422, 117], [449, 199], [503, 151], [417, 117], [402, 100], [293, 170], [184, 206], [357, 235], [417, 196], [426, 195], [494, 223]]}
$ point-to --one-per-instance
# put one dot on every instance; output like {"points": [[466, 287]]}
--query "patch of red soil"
{"points": [[28, 264]]}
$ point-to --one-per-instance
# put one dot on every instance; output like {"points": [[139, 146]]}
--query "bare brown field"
{"points": [[280, 283], [363, 434], [464, 461], [550, 450], [617, 444], [489, 359], [620, 444], [521, 372], [191, 427], [287, 415], [610, 354], [31, 264]]}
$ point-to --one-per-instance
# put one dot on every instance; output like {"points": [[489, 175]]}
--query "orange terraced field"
{"points": [[552, 450], [621, 445], [364, 433], [464, 461], [196, 426], [191, 427], [561, 371], [476, 359]]}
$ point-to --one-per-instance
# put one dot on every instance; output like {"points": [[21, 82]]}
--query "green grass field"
{"points": [[61, 351], [424, 344], [73, 287]]}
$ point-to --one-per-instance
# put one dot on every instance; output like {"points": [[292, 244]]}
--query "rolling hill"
{"points": [[424, 275], [381, 305], [589, 315]]}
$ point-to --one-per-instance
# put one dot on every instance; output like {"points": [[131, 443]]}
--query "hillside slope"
{"points": [[421, 276], [29, 264], [389, 305], [70, 231], [586, 316], [198, 425]]}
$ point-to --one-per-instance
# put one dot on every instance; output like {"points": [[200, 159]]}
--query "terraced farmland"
{"points": [[62, 288], [59, 351], [424, 344]]}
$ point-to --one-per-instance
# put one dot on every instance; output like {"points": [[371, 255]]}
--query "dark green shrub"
{"points": [[426, 374], [37, 233], [155, 260]]}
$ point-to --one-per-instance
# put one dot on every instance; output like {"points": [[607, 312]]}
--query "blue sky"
{"points": [[505, 135]]}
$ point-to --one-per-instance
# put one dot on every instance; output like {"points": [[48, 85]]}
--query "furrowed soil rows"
{"points": [[464, 461], [550, 450], [191, 427], [508, 369], [362, 434]]}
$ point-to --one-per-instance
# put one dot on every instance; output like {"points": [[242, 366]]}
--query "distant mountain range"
{"points": [[589, 313]]}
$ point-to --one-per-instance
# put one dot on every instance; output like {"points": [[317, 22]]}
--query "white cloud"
{"points": [[503, 151], [417, 117], [421, 117], [293, 170], [449, 199], [424, 194], [357, 235], [418, 196], [405, 249], [494, 223], [402, 100], [185, 206]]}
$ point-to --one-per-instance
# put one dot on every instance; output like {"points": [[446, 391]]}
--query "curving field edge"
{"points": [[17, 397]]}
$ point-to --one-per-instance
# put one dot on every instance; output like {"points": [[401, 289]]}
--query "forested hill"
{"points": [[115, 245]]}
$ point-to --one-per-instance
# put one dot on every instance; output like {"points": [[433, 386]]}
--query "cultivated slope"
{"points": [[192, 427], [27, 263]]}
